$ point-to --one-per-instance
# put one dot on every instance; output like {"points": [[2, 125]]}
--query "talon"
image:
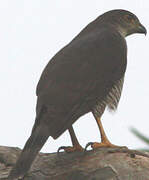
{"points": [[88, 144], [96, 145], [61, 148], [69, 149], [65, 148]]}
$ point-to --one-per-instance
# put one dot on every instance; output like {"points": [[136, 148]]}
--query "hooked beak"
{"points": [[142, 29]]}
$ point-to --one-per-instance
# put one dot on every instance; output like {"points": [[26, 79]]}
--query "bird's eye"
{"points": [[129, 18]]}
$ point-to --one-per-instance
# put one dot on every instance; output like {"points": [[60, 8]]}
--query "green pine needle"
{"points": [[140, 135]]}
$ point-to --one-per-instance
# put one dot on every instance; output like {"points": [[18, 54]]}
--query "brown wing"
{"points": [[83, 71]]}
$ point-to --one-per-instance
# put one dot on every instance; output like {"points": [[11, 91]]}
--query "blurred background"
{"points": [[31, 32]]}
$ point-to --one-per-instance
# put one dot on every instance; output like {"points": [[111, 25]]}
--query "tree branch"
{"points": [[102, 164]]}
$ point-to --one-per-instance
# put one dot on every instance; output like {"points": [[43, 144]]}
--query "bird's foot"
{"points": [[96, 145], [70, 149]]}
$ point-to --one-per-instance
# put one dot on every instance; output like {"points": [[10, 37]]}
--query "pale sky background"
{"points": [[31, 32]]}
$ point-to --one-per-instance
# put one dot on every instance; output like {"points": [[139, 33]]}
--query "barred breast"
{"points": [[111, 101]]}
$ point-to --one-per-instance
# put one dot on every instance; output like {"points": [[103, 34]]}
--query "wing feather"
{"points": [[80, 74]]}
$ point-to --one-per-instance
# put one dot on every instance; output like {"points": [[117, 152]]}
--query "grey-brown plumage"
{"points": [[111, 100], [85, 76]]}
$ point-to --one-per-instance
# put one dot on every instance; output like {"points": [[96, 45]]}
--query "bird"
{"points": [[86, 75]]}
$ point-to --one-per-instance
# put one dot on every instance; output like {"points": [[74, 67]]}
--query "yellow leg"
{"points": [[76, 146], [104, 140]]}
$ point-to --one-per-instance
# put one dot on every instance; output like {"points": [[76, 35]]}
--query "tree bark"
{"points": [[101, 164]]}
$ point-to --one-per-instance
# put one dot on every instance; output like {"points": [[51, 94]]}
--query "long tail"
{"points": [[33, 145]]}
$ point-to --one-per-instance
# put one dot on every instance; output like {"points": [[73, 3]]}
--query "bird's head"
{"points": [[126, 22]]}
